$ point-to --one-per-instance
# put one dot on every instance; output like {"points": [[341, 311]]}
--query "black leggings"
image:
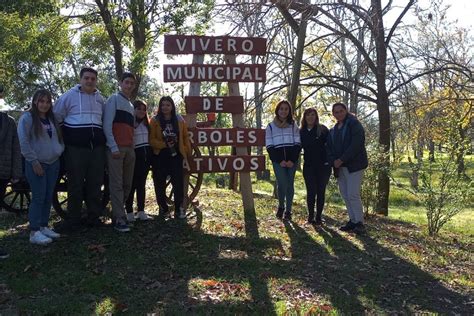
{"points": [[143, 157], [165, 165], [316, 179]]}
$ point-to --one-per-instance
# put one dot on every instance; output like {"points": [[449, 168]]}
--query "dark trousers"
{"points": [[143, 157], [85, 176], [316, 179], [163, 166]]}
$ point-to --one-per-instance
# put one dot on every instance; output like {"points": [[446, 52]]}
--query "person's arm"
{"points": [[330, 149], [108, 121], [270, 146], [295, 150], [60, 108], [25, 128], [156, 136], [357, 141]]}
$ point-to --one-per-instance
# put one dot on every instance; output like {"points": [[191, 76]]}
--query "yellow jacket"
{"points": [[157, 142]]}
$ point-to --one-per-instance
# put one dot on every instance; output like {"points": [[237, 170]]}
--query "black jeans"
{"points": [[165, 165], [316, 179], [143, 156], [84, 169]]}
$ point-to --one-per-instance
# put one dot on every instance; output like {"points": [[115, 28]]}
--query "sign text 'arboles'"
{"points": [[185, 44], [238, 137]]}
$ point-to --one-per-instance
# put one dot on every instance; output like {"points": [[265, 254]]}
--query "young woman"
{"points": [[282, 140], [348, 156], [41, 145], [169, 140], [143, 155], [316, 168]]}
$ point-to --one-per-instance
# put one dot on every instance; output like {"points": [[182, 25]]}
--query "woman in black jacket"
{"points": [[316, 168]]}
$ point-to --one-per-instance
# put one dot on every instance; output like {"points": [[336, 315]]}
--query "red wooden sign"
{"points": [[188, 44], [233, 105], [216, 73], [239, 137], [226, 164]]}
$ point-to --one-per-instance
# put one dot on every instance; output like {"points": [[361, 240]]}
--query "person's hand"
{"points": [[116, 155], [37, 169], [283, 164], [170, 143], [338, 163], [290, 164]]}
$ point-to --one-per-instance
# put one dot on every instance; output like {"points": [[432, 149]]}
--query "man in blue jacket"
{"points": [[348, 156]]}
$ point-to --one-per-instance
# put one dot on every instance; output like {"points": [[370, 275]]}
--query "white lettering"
{"points": [[206, 104], [191, 136], [218, 44], [221, 71], [189, 72], [202, 137], [181, 45], [223, 164], [249, 44], [198, 163], [241, 163], [252, 137], [228, 139], [186, 165], [216, 137], [257, 75], [240, 137], [247, 74], [253, 163], [219, 104], [201, 73], [173, 73], [231, 45], [205, 45], [236, 71]]}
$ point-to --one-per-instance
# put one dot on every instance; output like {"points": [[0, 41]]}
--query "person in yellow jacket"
{"points": [[169, 140]]}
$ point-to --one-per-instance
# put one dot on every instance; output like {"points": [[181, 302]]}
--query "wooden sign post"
{"points": [[233, 73]]}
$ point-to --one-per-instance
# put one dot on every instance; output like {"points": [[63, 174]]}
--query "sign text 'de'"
{"points": [[238, 137], [215, 73], [234, 105], [189, 44], [226, 164]]}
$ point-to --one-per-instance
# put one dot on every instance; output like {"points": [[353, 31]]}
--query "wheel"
{"points": [[17, 197], [195, 182]]}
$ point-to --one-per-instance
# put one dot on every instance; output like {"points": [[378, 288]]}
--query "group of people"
{"points": [[87, 134], [340, 149]]}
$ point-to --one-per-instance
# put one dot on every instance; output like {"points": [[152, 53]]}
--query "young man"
{"points": [[10, 157], [80, 110], [119, 129]]}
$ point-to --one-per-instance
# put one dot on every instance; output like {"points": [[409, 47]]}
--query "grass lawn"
{"points": [[223, 260]]}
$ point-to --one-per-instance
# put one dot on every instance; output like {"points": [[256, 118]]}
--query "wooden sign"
{"points": [[215, 73], [214, 104], [189, 44], [209, 164], [238, 137]]}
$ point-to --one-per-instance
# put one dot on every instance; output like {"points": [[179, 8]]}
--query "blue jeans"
{"points": [[42, 189], [285, 182]]}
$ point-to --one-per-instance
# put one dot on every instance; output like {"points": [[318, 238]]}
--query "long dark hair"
{"points": [[304, 124], [146, 121], [160, 117], [289, 118], [37, 126]]}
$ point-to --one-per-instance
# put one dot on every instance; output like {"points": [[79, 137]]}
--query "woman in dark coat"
{"points": [[316, 168]]}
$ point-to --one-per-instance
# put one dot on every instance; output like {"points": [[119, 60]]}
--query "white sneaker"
{"points": [[130, 217], [38, 238], [49, 232], [144, 216], [182, 213]]}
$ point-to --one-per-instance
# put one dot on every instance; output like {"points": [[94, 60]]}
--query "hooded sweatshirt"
{"points": [[81, 116], [44, 148]]}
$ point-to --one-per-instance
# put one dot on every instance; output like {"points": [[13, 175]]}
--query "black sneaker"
{"points": [[279, 213], [359, 228], [287, 216], [3, 254], [67, 226], [348, 227], [311, 221], [318, 221]]}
